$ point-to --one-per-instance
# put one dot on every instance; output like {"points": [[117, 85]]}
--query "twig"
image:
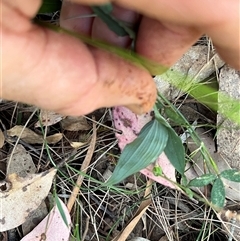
{"points": [[83, 169], [86, 229]]}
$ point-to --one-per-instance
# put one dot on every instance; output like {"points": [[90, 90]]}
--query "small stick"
{"points": [[83, 169]]}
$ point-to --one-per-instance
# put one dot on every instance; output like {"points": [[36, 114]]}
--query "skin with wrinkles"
{"points": [[60, 73]]}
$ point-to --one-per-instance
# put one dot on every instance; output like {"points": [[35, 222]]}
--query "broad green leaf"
{"points": [[113, 24], [203, 180], [174, 151], [143, 151], [50, 6], [218, 193], [231, 174]]}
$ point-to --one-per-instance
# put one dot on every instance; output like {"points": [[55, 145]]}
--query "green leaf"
{"points": [[62, 213], [143, 151], [218, 193], [203, 180], [174, 116], [189, 192], [174, 151], [50, 6], [157, 171], [113, 24], [106, 8], [231, 174]]}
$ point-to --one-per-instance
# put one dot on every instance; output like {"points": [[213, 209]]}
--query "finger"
{"points": [[164, 43], [101, 31], [221, 23], [74, 17], [60, 73]]}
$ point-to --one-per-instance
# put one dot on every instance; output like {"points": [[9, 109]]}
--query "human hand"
{"points": [[169, 27], [58, 72]]}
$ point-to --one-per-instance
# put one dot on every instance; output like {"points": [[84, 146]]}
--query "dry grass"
{"points": [[100, 213]]}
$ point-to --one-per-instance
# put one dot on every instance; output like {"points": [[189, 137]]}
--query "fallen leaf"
{"points": [[130, 125], [52, 227], [20, 162], [78, 123], [48, 118], [31, 137], [54, 138], [2, 139], [21, 196], [76, 144]]}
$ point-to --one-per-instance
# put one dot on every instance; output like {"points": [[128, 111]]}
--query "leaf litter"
{"points": [[21, 196]]}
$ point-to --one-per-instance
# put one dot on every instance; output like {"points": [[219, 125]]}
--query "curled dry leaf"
{"points": [[130, 125], [48, 118], [21, 196], [52, 227], [2, 139], [78, 123], [31, 137]]}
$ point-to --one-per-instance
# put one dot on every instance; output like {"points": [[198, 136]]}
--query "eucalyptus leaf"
{"points": [[218, 193], [231, 174], [143, 151], [50, 6], [203, 180], [174, 151]]}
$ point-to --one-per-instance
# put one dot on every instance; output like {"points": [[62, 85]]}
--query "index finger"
{"points": [[218, 19]]}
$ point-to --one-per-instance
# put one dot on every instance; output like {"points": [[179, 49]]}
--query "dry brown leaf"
{"points": [[31, 137], [2, 139], [141, 210], [78, 123], [22, 196], [76, 144], [54, 138], [48, 118], [20, 162]]}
